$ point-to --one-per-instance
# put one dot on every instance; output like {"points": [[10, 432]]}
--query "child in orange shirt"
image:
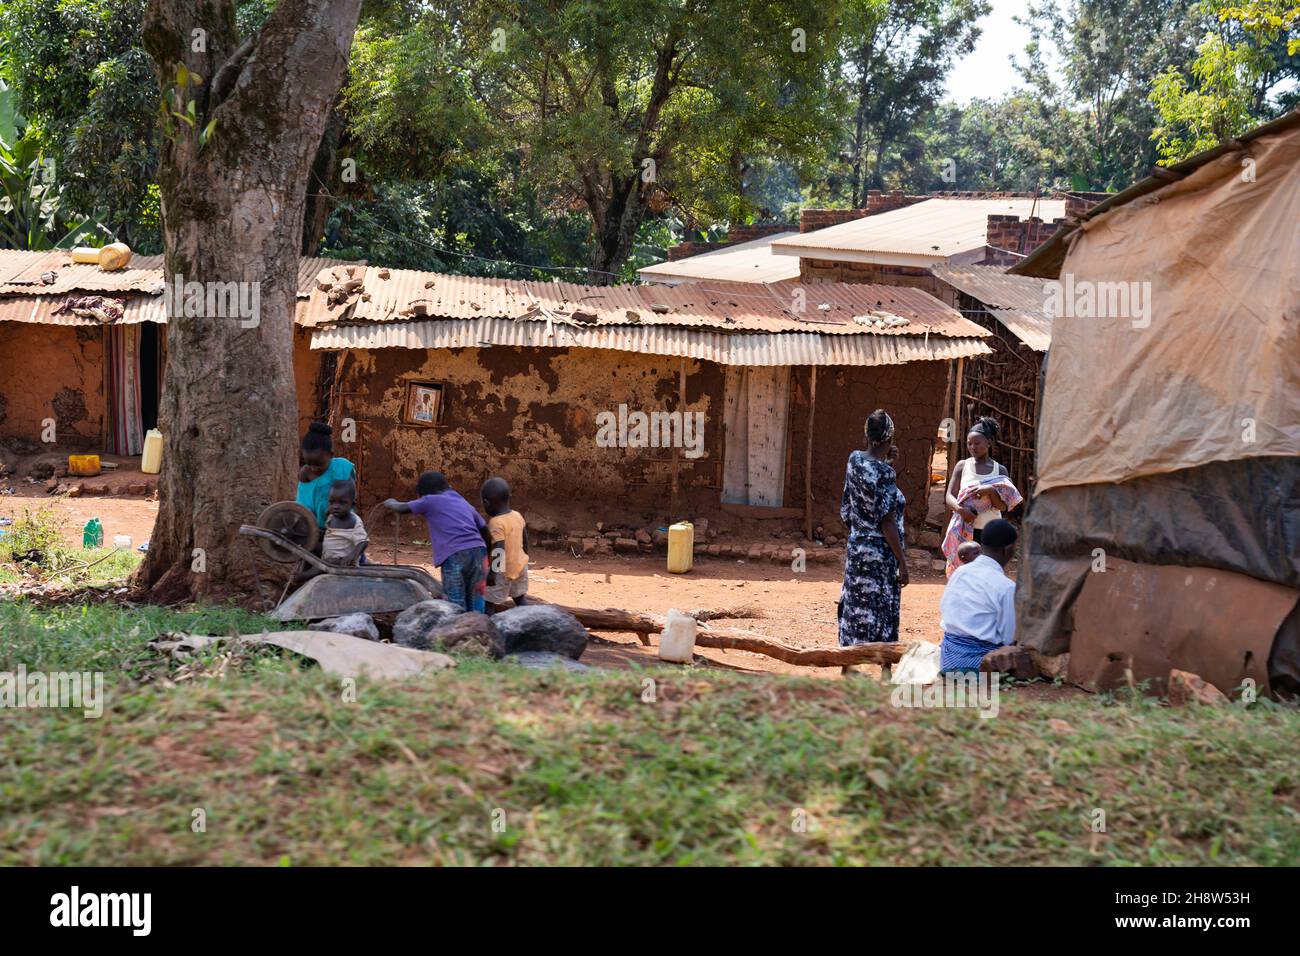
{"points": [[508, 559]]}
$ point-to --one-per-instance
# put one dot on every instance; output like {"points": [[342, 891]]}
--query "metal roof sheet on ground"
{"points": [[801, 348], [1032, 328], [750, 261], [922, 233], [996, 287], [40, 310], [394, 295]]}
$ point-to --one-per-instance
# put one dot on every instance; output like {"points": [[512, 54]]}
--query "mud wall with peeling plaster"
{"points": [[306, 376], [913, 394], [52, 371], [529, 415]]}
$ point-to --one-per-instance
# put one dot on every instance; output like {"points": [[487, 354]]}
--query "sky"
{"points": [[986, 72]]}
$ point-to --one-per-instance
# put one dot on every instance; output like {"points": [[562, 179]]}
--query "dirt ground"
{"points": [[795, 608]]}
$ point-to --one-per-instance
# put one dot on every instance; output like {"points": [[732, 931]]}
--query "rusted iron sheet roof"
{"points": [[743, 262], [1032, 328], [791, 348], [40, 309], [142, 274], [394, 295], [995, 287], [20, 274]]}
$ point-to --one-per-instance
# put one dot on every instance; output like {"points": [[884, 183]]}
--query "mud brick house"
{"points": [[954, 246], [486, 376], [94, 367]]}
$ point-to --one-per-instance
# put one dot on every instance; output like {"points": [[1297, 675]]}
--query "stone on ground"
{"points": [[1188, 688], [470, 631], [357, 625], [541, 627], [415, 626]]}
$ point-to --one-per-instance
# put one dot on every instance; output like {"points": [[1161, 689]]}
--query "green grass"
{"points": [[583, 771]]}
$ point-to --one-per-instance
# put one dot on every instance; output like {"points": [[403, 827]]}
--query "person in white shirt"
{"points": [[978, 608]]}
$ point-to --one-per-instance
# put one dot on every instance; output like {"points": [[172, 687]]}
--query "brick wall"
{"points": [[748, 233], [684, 250], [735, 234], [1009, 234], [1077, 203], [826, 270]]}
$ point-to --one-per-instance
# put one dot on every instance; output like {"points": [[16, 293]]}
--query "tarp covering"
{"points": [[1215, 376], [1241, 516]]}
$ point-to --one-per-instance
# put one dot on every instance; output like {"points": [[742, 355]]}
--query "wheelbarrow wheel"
{"points": [[291, 521]]}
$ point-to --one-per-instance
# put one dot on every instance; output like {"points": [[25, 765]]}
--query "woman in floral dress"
{"points": [[875, 569]]}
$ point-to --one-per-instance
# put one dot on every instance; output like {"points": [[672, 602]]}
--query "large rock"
{"points": [[470, 631], [1188, 688], [357, 625], [541, 627], [414, 627]]}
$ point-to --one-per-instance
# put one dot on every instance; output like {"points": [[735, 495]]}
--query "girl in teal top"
{"points": [[320, 469]]}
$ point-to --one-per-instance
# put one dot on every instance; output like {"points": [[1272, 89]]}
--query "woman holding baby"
{"points": [[979, 491]]}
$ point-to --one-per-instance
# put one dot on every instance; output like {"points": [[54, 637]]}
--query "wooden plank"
{"points": [[614, 619], [808, 456], [956, 417], [760, 511], [677, 451]]}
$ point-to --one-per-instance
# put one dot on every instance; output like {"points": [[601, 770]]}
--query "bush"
{"points": [[33, 536]]}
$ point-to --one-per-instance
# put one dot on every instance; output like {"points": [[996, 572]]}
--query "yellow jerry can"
{"points": [[84, 466], [681, 547]]}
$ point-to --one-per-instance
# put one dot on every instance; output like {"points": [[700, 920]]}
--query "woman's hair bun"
{"points": [[320, 428], [986, 426]]}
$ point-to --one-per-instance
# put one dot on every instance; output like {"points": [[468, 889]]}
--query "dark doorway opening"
{"points": [[150, 374]]}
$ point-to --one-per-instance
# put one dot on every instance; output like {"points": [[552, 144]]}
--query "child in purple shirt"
{"points": [[458, 535]]}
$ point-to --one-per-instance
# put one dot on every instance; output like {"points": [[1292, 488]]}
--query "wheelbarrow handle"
{"points": [[369, 571]]}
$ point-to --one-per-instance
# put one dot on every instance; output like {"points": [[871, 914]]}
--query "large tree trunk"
{"points": [[615, 230], [322, 187], [233, 185]]}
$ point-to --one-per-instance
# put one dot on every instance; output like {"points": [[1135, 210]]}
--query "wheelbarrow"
{"points": [[287, 532]]}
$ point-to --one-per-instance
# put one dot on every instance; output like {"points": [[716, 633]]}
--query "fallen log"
{"points": [[613, 619]]}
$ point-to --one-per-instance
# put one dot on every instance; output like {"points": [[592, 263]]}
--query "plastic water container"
{"points": [[84, 466], [681, 547], [677, 642], [92, 535], [151, 460], [122, 542]]}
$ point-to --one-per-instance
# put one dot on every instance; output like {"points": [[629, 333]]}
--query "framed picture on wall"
{"points": [[423, 403]]}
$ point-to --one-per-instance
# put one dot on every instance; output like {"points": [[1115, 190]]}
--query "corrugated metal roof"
{"points": [[828, 308], [800, 348], [743, 262], [922, 233], [1032, 328], [994, 286], [20, 274], [143, 274], [40, 309]]}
